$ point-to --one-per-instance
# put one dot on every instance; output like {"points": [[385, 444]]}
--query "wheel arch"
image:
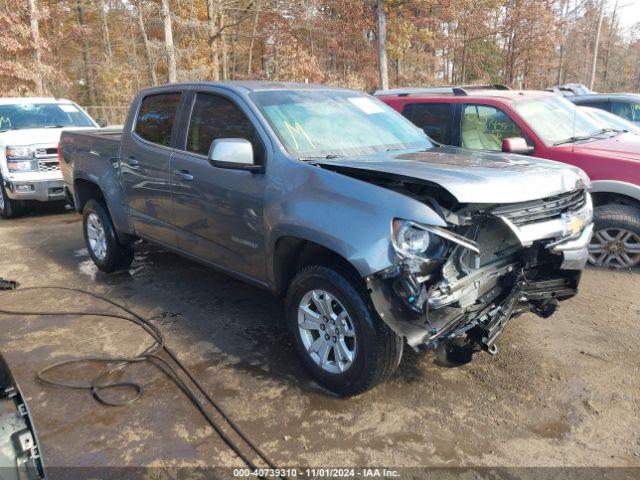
{"points": [[604, 192], [85, 189], [292, 253]]}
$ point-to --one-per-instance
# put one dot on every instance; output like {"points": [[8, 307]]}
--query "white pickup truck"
{"points": [[29, 135]]}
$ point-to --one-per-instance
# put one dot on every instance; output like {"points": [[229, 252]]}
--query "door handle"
{"points": [[132, 162], [183, 175]]}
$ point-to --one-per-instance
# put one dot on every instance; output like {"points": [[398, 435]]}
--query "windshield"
{"points": [[556, 120], [327, 123], [610, 120], [42, 115]]}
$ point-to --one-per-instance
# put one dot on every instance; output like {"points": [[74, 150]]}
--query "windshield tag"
{"points": [[68, 108], [366, 105]]}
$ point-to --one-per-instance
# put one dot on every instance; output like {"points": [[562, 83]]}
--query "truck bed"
{"points": [[88, 150]]}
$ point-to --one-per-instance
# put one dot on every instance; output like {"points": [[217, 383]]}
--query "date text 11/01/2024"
{"points": [[318, 473]]}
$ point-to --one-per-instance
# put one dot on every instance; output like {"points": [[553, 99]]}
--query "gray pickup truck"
{"points": [[373, 234]]}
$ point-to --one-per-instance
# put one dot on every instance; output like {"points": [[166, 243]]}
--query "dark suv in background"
{"points": [[625, 105]]}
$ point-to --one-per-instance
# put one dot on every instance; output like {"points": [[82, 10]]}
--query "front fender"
{"points": [[348, 216], [616, 186]]}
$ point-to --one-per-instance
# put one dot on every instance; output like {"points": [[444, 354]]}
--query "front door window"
{"points": [[484, 127]]}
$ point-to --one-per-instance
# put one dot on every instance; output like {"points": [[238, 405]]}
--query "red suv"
{"points": [[545, 125]]}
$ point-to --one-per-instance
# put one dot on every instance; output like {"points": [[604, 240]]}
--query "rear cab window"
{"points": [[483, 127], [156, 116], [213, 117], [435, 119]]}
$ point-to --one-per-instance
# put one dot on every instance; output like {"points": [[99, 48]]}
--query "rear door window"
{"points": [[214, 117], [434, 119], [483, 127], [626, 110], [156, 116]]}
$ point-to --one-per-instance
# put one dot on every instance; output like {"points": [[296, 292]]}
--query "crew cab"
{"points": [[493, 118], [329, 198], [29, 136]]}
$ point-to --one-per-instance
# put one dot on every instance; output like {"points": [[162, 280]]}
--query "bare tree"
{"points": [[212, 17], [168, 42], [37, 48], [382, 45], [87, 70], [596, 45], [145, 43]]}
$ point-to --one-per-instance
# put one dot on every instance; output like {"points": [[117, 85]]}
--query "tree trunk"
{"points": [[212, 15], [223, 49], [613, 27], [463, 74], [105, 31], [252, 41], [88, 71], [563, 34], [595, 46], [382, 45], [168, 43], [37, 49], [145, 43]]}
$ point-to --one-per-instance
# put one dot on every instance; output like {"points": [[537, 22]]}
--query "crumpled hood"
{"points": [[35, 136], [471, 176]]}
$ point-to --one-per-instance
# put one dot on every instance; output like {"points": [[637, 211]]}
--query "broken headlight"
{"points": [[412, 239]]}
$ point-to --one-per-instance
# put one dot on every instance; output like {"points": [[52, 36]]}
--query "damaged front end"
{"points": [[492, 263]]}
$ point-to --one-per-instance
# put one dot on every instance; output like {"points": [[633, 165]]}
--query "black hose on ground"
{"points": [[151, 354]]}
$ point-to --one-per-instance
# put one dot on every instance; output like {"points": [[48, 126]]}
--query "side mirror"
{"points": [[101, 122], [236, 153], [516, 145]]}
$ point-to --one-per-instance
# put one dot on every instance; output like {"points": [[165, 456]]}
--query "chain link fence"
{"points": [[111, 115]]}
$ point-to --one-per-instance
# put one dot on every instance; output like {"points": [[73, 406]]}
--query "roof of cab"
{"points": [[30, 100], [248, 85]]}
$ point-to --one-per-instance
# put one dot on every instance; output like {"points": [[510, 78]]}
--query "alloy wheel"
{"points": [[614, 248], [327, 331], [96, 236], [1, 200]]}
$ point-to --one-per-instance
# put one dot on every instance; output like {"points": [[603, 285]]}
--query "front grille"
{"points": [[48, 166], [541, 210], [47, 152]]}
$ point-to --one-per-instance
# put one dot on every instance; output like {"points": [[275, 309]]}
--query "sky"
{"points": [[629, 12]]}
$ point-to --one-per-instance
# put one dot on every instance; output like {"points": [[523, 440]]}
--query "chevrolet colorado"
{"points": [[333, 200], [29, 135]]}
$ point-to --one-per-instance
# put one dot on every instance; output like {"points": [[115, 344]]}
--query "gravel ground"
{"points": [[562, 392]]}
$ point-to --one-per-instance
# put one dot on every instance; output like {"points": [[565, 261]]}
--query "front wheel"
{"points": [[8, 208], [339, 337], [616, 238], [101, 240]]}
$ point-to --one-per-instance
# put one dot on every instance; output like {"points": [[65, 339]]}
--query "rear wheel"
{"points": [[8, 208], [616, 238], [338, 335], [101, 240]]}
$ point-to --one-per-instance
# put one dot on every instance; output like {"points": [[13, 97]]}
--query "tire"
{"points": [[101, 239], [8, 208], [616, 238], [374, 350]]}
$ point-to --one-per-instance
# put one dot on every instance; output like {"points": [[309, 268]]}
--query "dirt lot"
{"points": [[561, 392]]}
